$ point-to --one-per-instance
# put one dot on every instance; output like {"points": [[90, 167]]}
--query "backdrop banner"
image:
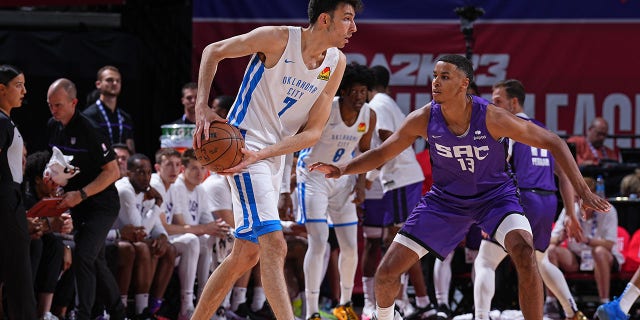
{"points": [[576, 62]]}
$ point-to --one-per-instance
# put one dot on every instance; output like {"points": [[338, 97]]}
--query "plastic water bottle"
{"points": [[600, 186]]}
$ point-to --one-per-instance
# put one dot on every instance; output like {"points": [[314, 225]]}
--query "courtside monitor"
{"points": [[630, 155]]}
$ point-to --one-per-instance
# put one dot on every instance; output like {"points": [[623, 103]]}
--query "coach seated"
{"points": [[590, 149]]}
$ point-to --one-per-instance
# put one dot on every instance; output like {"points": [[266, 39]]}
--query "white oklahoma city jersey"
{"points": [[219, 192], [404, 169], [167, 201], [192, 204], [274, 103], [338, 141], [135, 210], [330, 200]]}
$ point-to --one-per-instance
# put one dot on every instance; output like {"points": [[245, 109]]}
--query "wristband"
{"points": [[83, 195]]}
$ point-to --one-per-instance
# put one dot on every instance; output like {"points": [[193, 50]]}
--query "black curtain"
{"points": [[152, 49]]}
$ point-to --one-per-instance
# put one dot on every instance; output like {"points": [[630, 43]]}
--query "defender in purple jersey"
{"points": [[471, 182], [534, 170]]}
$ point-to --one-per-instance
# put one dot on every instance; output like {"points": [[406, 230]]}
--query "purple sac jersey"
{"points": [[533, 168], [469, 165], [472, 183]]}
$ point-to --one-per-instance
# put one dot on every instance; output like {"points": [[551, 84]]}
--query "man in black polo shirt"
{"points": [[114, 122], [91, 195]]}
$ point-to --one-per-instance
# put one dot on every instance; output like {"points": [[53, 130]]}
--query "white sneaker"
{"points": [[511, 315], [466, 316], [396, 315], [368, 309], [408, 309], [48, 316]]}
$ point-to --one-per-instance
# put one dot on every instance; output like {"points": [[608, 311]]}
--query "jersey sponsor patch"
{"points": [[325, 74], [362, 127]]}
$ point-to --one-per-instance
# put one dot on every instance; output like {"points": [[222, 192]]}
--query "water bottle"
{"points": [[600, 186]]}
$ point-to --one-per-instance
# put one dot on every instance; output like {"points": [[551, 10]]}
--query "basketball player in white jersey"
{"points": [[282, 106], [191, 210], [350, 125], [168, 167]]}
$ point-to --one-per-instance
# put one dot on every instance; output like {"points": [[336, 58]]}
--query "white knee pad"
{"points": [[511, 222]]}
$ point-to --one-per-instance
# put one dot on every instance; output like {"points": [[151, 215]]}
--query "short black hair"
{"points": [[473, 87], [356, 73], [514, 89], [7, 73], [120, 145], [381, 76], [190, 85], [317, 7], [131, 162], [36, 163], [463, 64], [225, 102]]}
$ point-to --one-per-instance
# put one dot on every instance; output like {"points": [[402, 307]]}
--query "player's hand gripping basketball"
{"points": [[249, 157], [204, 117], [222, 149]]}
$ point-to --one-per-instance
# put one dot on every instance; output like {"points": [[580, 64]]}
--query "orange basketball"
{"points": [[222, 150]]}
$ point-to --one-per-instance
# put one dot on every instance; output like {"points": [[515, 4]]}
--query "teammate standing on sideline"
{"points": [[16, 265], [534, 169], [91, 195], [188, 100], [471, 183], [116, 124], [350, 125], [282, 106]]}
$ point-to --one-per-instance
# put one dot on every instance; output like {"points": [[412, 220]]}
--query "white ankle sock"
{"points": [[628, 297], [385, 313]]}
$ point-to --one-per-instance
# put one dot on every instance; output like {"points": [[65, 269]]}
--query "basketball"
{"points": [[223, 149]]}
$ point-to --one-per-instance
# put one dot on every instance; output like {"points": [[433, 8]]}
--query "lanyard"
{"points": [[594, 224], [595, 152], [106, 119]]}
